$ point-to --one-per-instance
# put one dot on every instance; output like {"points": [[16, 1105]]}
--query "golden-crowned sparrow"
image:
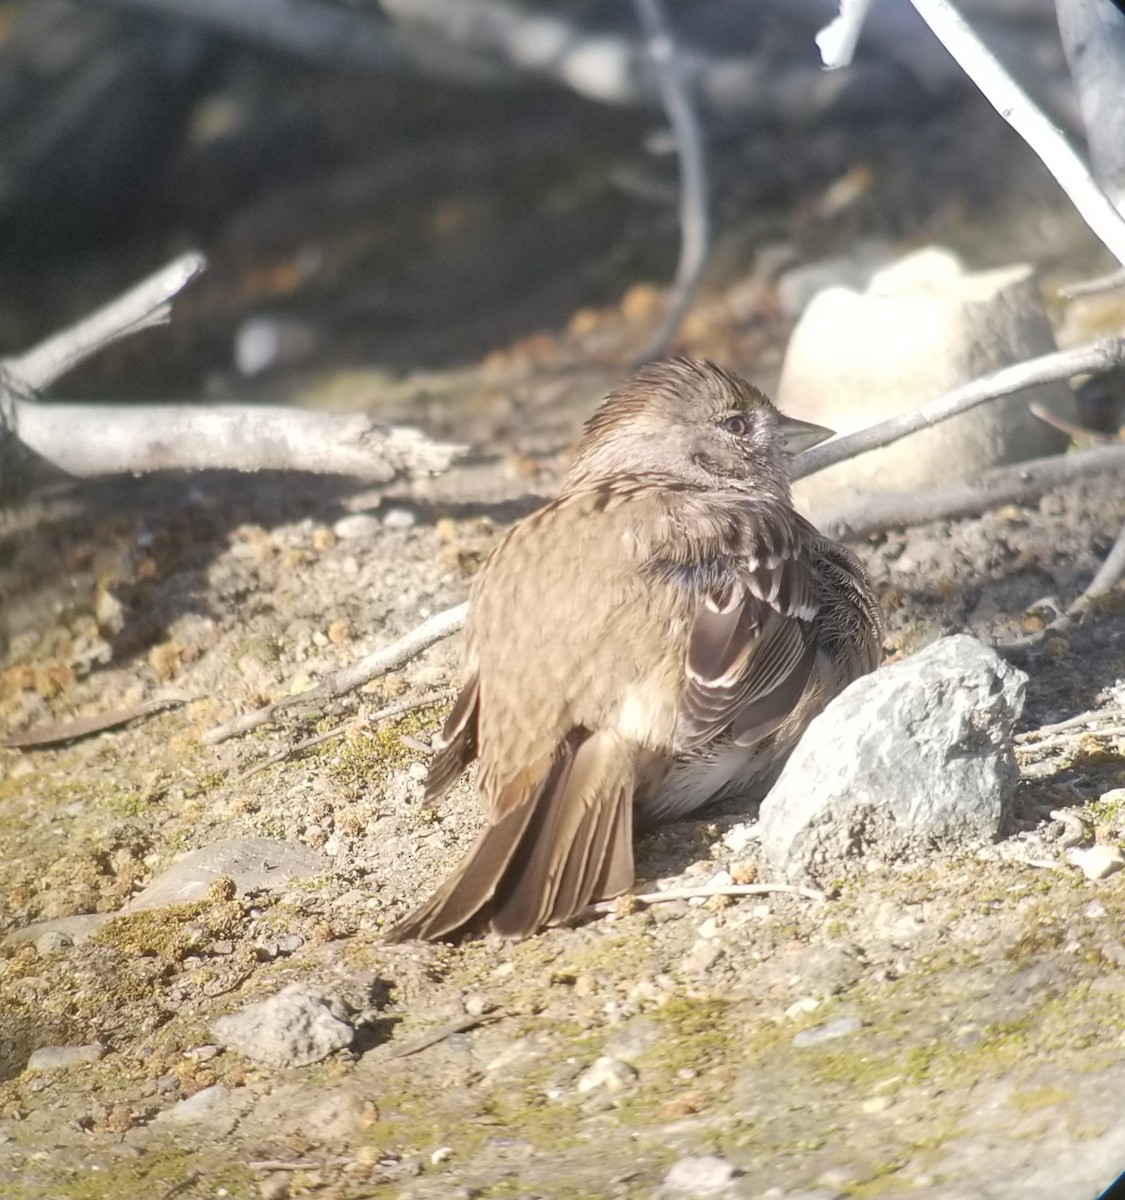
{"points": [[656, 638]]}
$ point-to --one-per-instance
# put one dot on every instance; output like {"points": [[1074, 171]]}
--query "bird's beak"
{"points": [[802, 435]]}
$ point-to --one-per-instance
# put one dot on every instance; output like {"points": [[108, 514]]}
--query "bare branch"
{"points": [[687, 131], [1019, 483], [837, 40], [1109, 574], [1047, 368], [1094, 287], [1107, 577], [88, 440], [338, 683], [141, 307], [1016, 107]]}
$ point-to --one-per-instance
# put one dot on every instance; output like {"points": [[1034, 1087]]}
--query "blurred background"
{"points": [[418, 185]]}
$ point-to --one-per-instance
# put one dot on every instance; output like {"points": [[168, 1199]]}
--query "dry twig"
{"points": [[87, 440], [344, 680], [1019, 483], [384, 714], [1108, 575], [1094, 287], [732, 889], [1047, 368], [141, 307], [446, 1031], [1016, 107], [1080, 721], [695, 220]]}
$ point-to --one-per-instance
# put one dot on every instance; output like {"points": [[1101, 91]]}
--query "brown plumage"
{"points": [[656, 638]]}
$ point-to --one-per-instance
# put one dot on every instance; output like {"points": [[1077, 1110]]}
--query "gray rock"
{"points": [[915, 754], [922, 327], [292, 1029], [204, 1105], [64, 1058], [255, 864], [75, 930]]}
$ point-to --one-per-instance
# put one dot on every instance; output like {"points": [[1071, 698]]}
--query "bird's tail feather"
{"points": [[564, 838]]}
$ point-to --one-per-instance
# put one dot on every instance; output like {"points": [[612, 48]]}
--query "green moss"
{"points": [[173, 932], [362, 757], [1034, 1099], [158, 1173]]}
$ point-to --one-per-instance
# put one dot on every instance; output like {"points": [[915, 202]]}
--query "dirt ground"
{"points": [[977, 994]]}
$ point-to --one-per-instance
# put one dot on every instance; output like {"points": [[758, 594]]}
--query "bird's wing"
{"points": [[750, 647]]}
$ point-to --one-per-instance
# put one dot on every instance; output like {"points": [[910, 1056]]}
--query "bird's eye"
{"points": [[736, 424]]}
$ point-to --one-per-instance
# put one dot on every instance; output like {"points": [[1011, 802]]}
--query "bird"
{"points": [[654, 639]]}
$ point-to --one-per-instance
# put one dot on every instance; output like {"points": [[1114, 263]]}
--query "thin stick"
{"points": [[1016, 107], [1094, 287], [446, 1031], [1055, 739], [733, 889], [1108, 575], [141, 307], [384, 714], [687, 132], [337, 683], [1047, 368], [298, 1164], [90, 440], [1076, 722], [836, 41], [1018, 483]]}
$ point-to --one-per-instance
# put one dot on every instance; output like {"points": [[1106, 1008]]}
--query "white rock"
{"points": [[355, 526], [1098, 861], [922, 328]]}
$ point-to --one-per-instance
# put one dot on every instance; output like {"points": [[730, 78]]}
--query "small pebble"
{"points": [[827, 1033], [355, 526], [1094, 910], [441, 1154], [701, 957], [202, 1053], [52, 941], [399, 518], [477, 1004], [738, 837], [704, 1175], [1097, 862], [609, 1073], [197, 1107], [63, 1058]]}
